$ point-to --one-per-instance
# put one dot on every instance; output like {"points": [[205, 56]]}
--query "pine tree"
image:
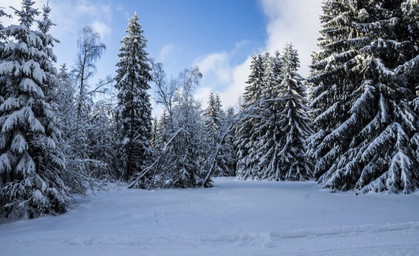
{"points": [[134, 108], [230, 152], [3, 36], [218, 139], [294, 120], [245, 140], [332, 71], [3, 41], [32, 165], [361, 95], [266, 132], [213, 116], [410, 9]]}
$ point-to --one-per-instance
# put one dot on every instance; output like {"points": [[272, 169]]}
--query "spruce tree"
{"points": [[32, 165], [219, 140], [213, 116], [2, 30], [361, 98], [230, 152], [246, 138], [294, 121], [410, 11], [3, 41], [267, 132], [134, 108]]}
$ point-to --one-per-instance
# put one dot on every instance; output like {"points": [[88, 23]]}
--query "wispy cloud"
{"points": [[217, 65], [165, 51], [219, 75], [295, 21], [101, 28]]}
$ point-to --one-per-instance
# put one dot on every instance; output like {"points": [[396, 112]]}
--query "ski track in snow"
{"points": [[233, 218]]}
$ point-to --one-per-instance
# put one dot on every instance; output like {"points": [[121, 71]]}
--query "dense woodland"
{"points": [[353, 124]]}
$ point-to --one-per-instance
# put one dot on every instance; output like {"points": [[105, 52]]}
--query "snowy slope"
{"points": [[233, 218]]}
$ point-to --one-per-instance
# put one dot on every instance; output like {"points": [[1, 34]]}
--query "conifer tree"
{"points": [[134, 108], [363, 83], [230, 152], [32, 165], [293, 120], [2, 30], [3, 41], [266, 132], [216, 121], [245, 140], [410, 9], [213, 116]]}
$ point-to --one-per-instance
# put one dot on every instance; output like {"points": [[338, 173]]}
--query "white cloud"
{"points": [[165, 51], [70, 14], [101, 28], [94, 10], [241, 43], [217, 65], [202, 94], [230, 96], [221, 77], [295, 21]]}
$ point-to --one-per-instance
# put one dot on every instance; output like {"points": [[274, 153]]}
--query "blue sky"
{"points": [[217, 35]]}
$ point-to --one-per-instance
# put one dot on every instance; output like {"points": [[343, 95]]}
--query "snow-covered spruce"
{"points": [[266, 132], [215, 122], [133, 111], [2, 31], [274, 124], [294, 121], [32, 165], [364, 84], [245, 144]]}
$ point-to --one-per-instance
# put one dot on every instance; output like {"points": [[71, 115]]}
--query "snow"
{"points": [[233, 218]]}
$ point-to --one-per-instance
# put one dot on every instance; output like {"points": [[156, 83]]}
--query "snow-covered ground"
{"points": [[233, 218]]}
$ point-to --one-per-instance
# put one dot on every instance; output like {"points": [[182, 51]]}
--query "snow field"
{"points": [[233, 218]]}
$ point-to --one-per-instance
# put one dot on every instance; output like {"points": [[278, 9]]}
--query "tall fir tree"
{"points": [[294, 122], [266, 132], [245, 138], [230, 123], [3, 41], [32, 165], [363, 84], [410, 9], [3, 36], [134, 108], [219, 139]]}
